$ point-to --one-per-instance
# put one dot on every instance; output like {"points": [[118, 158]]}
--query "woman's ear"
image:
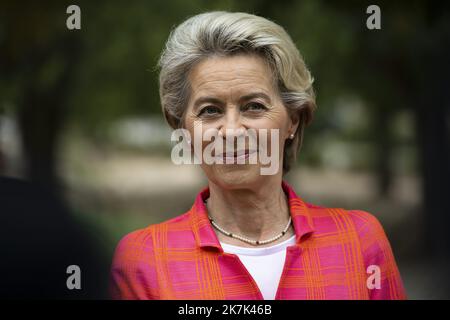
{"points": [[294, 123]]}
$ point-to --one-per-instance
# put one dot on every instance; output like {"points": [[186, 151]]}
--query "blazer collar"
{"points": [[206, 237]]}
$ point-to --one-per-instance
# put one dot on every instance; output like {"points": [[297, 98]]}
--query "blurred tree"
{"points": [[403, 66], [39, 56]]}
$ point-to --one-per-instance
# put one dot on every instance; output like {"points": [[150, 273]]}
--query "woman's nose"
{"points": [[232, 124]]}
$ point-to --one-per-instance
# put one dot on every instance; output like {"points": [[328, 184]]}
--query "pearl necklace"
{"points": [[247, 240]]}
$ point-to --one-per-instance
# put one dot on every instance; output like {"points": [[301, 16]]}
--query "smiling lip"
{"points": [[238, 154]]}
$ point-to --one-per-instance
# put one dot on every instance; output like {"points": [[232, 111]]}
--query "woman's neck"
{"points": [[257, 213]]}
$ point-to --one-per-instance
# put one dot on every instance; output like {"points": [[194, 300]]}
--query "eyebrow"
{"points": [[215, 100], [255, 95]]}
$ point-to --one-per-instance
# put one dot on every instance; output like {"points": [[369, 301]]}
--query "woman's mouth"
{"points": [[232, 157]]}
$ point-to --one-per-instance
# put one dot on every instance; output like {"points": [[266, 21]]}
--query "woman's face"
{"points": [[232, 95]]}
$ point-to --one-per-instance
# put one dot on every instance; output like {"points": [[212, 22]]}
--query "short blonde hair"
{"points": [[227, 33]]}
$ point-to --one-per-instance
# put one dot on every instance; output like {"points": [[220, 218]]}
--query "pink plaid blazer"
{"points": [[335, 255]]}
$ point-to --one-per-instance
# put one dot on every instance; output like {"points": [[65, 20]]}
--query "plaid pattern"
{"points": [[182, 258]]}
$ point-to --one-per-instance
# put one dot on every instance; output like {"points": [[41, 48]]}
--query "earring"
{"points": [[292, 136]]}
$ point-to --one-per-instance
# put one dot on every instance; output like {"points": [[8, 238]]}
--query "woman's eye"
{"points": [[255, 106], [209, 111]]}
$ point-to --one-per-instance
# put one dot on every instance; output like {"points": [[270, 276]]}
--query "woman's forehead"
{"points": [[238, 73]]}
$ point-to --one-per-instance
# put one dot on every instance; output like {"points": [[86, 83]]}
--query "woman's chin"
{"points": [[235, 175]]}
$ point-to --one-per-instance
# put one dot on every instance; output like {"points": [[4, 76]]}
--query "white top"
{"points": [[264, 264]]}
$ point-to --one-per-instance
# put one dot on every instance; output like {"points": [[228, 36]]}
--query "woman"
{"points": [[248, 235]]}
